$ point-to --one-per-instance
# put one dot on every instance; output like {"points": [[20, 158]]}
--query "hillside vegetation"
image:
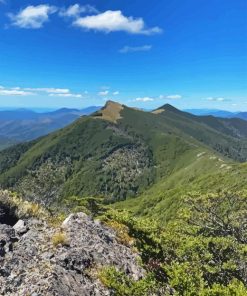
{"points": [[200, 252], [172, 186], [119, 152]]}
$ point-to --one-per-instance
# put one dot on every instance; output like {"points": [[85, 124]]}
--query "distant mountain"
{"points": [[89, 110], [19, 114], [23, 125], [242, 115], [217, 113], [119, 152]]}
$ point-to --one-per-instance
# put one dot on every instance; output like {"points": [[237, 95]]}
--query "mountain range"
{"points": [[23, 125], [218, 113], [119, 153], [168, 189]]}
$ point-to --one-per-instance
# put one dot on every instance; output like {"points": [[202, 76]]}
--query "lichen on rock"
{"points": [[30, 264]]}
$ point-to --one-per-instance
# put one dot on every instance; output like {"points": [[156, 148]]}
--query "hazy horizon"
{"points": [[44, 110]]}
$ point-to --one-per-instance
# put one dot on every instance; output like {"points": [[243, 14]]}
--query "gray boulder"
{"points": [[20, 227], [34, 265]]}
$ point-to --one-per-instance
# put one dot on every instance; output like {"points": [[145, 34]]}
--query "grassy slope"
{"points": [[225, 136], [204, 175], [198, 168]]}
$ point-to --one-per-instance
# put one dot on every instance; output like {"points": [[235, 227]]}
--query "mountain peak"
{"points": [[111, 111], [166, 107], [111, 104], [169, 107]]}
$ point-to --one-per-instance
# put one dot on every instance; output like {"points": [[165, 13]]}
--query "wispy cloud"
{"points": [[155, 98], [49, 90], [214, 99], [56, 92], [173, 97], [103, 93], [66, 95], [15, 92], [170, 97], [75, 10], [32, 17], [115, 93], [113, 21], [144, 99], [28, 91], [127, 49]]}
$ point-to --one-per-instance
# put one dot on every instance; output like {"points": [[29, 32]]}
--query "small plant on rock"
{"points": [[60, 238]]}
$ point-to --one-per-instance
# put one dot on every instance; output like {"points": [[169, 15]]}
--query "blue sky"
{"points": [[191, 53]]}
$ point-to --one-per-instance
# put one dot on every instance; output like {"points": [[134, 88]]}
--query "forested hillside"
{"points": [[118, 152]]}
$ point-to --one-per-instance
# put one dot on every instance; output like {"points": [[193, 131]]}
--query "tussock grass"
{"points": [[60, 238]]}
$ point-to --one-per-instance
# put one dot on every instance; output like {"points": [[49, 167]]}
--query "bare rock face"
{"points": [[20, 227], [7, 235], [33, 263]]}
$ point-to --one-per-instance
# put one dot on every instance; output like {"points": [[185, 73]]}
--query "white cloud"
{"points": [[173, 97], [115, 93], [113, 21], [49, 90], [76, 9], [32, 17], [212, 99], [57, 90], [14, 92], [103, 93], [127, 49], [144, 99], [53, 92], [161, 97], [68, 95]]}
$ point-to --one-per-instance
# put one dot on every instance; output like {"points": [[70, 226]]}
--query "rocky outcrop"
{"points": [[20, 227], [38, 259]]}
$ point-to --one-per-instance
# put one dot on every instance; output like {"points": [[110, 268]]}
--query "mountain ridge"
{"points": [[121, 155], [218, 113], [154, 181]]}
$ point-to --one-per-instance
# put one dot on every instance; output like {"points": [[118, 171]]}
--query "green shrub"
{"points": [[125, 286], [203, 251]]}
